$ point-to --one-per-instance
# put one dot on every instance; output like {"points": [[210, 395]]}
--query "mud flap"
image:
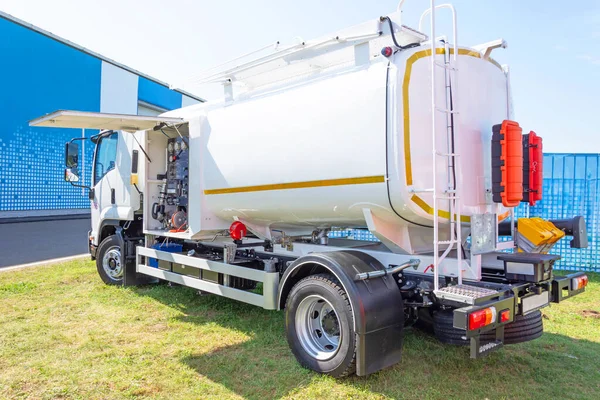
{"points": [[130, 275]]}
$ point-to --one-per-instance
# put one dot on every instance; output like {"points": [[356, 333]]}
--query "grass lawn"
{"points": [[64, 334]]}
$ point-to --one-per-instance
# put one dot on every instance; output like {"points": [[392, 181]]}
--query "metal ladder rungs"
{"points": [[452, 188], [445, 110], [447, 198], [445, 66], [421, 190]]}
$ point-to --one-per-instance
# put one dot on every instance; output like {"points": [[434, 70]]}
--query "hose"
{"points": [[388, 271], [408, 46]]}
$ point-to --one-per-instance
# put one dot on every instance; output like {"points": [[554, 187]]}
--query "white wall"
{"points": [[187, 101], [119, 90]]}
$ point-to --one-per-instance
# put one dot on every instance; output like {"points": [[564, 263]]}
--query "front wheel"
{"points": [[320, 326], [109, 261]]}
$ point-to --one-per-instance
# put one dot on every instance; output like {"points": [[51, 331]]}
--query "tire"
{"points": [[109, 261], [522, 329], [320, 326]]}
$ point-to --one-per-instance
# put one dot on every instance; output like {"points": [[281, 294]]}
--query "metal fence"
{"points": [[571, 187]]}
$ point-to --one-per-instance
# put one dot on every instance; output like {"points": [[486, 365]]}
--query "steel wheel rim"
{"points": [[318, 327], [111, 263]]}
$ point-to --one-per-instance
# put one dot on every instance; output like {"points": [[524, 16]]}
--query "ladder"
{"points": [[451, 188]]}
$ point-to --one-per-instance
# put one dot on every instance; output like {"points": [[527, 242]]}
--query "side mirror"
{"points": [[71, 175], [71, 156]]}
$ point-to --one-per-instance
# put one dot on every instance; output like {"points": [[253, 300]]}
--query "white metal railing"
{"points": [[452, 192], [273, 63]]}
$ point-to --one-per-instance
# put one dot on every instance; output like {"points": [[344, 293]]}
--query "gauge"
{"points": [[170, 147], [177, 146], [170, 158], [183, 146]]}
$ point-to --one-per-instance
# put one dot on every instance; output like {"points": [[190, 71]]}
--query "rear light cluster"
{"points": [[579, 282], [505, 315], [482, 318], [487, 316]]}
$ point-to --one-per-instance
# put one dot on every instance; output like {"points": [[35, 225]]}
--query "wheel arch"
{"points": [[376, 304], [107, 228]]}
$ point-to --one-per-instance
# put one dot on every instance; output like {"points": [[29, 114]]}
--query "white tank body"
{"points": [[319, 153]]}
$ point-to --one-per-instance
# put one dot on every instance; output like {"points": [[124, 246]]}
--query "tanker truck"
{"points": [[263, 196]]}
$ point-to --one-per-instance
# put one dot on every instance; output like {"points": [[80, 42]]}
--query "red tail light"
{"points": [[504, 315], [482, 318]]}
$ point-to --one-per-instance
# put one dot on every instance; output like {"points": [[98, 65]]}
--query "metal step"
{"points": [[464, 293]]}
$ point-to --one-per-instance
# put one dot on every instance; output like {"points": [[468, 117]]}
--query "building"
{"points": [[41, 73]]}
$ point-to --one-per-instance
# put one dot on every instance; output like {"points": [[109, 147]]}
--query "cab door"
{"points": [[113, 197]]}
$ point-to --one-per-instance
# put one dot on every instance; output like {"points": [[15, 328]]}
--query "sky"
{"points": [[553, 46]]}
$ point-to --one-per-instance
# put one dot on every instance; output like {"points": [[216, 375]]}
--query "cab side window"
{"points": [[106, 156]]}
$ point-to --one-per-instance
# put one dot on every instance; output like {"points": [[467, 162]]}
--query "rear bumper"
{"points": [[522, 300], [561, 287]]}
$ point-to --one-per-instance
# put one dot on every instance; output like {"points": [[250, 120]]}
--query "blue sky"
{"points": [[553, 47]]}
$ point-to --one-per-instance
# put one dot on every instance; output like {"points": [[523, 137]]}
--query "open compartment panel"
{"points": [[167, 182]]}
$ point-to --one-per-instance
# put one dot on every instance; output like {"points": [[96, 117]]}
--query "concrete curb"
{"points": [[41, 263]]}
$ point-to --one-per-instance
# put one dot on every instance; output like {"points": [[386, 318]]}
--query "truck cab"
{"points": [[115, 189]]}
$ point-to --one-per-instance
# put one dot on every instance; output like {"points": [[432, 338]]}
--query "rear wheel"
{"points": [[320, 326], [109, 261]]}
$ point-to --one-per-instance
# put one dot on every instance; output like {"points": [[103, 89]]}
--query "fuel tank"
{"points": [[350, 149]]}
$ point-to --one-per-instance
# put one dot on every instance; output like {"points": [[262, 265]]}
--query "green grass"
{"points": [[64, 334]]}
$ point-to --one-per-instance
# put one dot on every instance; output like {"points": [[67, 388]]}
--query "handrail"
{"points": [[400, 4], [288, 51], [454, 29]]}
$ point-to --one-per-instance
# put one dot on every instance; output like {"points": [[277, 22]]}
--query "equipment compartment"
{"points": [[166, 202]]}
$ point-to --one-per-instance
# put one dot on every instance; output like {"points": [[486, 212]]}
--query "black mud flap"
{"points": [[130, 275], [376, 303]]}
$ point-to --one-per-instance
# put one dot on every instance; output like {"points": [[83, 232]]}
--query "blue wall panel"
{"points": [[158, 94], [39, 75], [571, 188]]}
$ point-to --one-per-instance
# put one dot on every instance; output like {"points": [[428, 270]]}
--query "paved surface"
{"points": [[28, 242]]}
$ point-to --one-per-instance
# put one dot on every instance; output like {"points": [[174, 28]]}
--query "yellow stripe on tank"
{"points": [[299, 185]]}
